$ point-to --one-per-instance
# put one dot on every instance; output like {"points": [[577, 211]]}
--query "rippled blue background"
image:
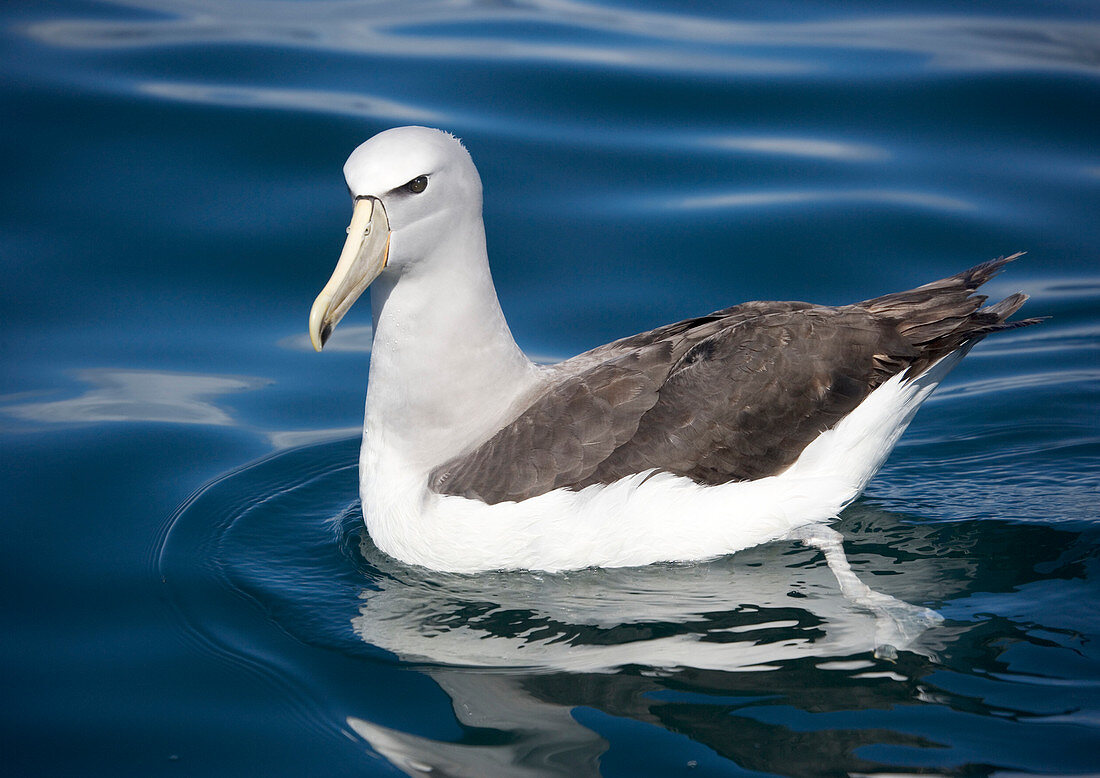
{"points": [[172, 202]]}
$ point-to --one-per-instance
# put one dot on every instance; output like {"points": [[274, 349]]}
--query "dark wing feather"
{"points": [[743, 403], [563, 436], [734, 395]]}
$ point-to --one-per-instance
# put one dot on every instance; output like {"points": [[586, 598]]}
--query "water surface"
{"points": [[188, 587]]}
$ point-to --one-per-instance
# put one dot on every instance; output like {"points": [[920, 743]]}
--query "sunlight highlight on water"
{"points": [[190, 587]]}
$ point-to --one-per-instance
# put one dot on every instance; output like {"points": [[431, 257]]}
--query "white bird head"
{"points": [[412, 187]]}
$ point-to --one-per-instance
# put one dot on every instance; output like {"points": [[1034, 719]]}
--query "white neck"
{"points": [[445, 371]]}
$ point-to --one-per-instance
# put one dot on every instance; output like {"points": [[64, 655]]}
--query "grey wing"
{"points": [[729, 396], [735, 395], [564, 434], [743, 403]]}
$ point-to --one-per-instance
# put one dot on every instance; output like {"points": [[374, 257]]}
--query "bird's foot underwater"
{"points": [[898, 624]]}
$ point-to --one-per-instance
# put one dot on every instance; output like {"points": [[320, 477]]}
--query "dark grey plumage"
{"points": [[735, 395]]}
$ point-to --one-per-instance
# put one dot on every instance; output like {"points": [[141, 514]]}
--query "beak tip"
{"points": [[319, 329], [319, 337]]}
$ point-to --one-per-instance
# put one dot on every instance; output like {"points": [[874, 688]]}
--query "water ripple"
{"points": [[814, 148], [140, 395], [312, 100], [641, 38], [767, 199], [1017, 382], [756, 640]]}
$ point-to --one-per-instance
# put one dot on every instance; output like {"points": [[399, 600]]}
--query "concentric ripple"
{"points": [[271, 569]]}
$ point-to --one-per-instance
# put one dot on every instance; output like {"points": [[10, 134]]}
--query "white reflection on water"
{"points": [[347, 103], [764, 199], [140, 395], [1016, 382], [482, 638], [283, 439], [815, 148], [1046, 340], [352, 338], [432, 620], [544, 737], [636, 38], [160, 396]]}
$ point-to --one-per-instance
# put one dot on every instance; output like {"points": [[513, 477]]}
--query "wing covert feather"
{"points": [[560, 439], [744, 403], [723, 397]]}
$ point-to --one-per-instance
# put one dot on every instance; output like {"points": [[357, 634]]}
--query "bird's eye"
{"points": [[417, 185]]}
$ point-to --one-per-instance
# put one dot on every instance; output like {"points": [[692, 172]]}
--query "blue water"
{"points": [[187, 588]]}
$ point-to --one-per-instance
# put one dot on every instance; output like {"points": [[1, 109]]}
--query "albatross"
{"points": [[687, 442]]}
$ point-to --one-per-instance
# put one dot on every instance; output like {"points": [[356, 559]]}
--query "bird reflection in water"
{"points": [[518, 652]]}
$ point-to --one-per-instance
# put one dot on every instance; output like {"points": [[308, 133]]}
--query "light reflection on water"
{"points": [[802, 147], [809, 197], [458, 31], [753, 641], [642, 163], [352, 338], [346, 103], [139, 396], [744, 615]]}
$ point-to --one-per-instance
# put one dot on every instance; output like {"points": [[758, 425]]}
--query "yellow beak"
{"points": [[364, 256]]}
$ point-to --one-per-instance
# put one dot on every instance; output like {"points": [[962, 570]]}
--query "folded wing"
{"points": [[736, 395]]}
